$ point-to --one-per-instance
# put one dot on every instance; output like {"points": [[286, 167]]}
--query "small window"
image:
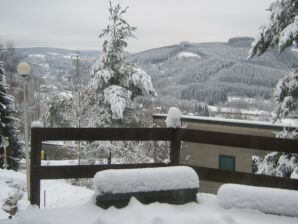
{"points": [[226, 162]]}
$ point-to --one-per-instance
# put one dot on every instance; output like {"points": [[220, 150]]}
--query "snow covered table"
{"points": [[175, 185]]}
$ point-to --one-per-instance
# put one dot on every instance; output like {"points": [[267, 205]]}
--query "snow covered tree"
{"points": [[115, 82], [280, 31], [8, 124], [114, 85], [201, 109], [59, 110]]}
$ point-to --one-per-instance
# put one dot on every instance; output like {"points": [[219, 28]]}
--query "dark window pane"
{"points": [[226, 162]]}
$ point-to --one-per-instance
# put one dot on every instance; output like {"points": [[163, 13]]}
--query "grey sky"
{"points": [[76, 24]]}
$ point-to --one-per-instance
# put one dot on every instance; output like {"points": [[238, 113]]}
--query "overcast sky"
{"points": [[76, 24]]}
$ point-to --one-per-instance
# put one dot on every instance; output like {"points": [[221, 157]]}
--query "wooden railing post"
{"points": [[175, 147], [35, 164]]}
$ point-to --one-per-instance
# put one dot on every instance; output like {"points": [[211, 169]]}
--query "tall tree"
{"points": [[114, 85], [115, 82], [281, 31], [8, 124]]}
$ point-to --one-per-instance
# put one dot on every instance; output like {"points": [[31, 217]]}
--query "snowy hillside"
{"points": [[211, 72], [53, 64]]}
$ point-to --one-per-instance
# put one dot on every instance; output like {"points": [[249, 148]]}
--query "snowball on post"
{"points": [[173, 119]]}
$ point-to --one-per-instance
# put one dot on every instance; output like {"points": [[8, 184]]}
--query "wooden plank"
{"points": [[113, 134], [175, 148], [238, 140], [222, 176], [85, 171], [34, 168]]}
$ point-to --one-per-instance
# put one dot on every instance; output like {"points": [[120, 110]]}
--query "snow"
{"points": [[37, 55], [143, 180], [289, 33], [294, 174], [118, 99], [186, 54], [173, 119], [267, 200], [143, 81], [80, 208], [59, 193], [36, 124], [285, 122], [207, 211]]}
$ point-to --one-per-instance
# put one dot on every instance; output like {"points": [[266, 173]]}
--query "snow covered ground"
{"points": [[206, 211], [67, 204]]}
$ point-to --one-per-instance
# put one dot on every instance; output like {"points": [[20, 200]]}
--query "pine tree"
{"points": [[8, 124], [281, 31], [115, 82], [114, 85]]}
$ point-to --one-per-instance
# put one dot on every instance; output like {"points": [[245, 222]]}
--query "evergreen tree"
{"points": [[281, 31], [115, 82], [8, 124], [113, 88]]}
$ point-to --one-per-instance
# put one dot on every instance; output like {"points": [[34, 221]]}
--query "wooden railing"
{"points": [[175, 136]]}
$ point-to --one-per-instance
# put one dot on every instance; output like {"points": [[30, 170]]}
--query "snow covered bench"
{"points": [[267, 200], [175, 185]]}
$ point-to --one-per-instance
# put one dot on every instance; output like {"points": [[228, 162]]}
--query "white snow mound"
{"points": [[145, 179], [173, 119], [267, 200]]}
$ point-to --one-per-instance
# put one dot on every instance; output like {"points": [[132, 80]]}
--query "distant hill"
{"points": [[204, 72], [212, 71], [54, 65]]}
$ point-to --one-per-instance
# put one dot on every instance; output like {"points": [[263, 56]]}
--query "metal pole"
{"points": [[26, 138]]}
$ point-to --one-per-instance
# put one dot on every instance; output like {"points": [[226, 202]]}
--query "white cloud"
{"points": [[77, 23]]}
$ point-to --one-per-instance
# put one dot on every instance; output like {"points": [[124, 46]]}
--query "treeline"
{"points": [[204, 93]]}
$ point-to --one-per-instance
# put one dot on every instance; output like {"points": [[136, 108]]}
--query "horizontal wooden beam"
{"points": [[103, 134], [83, 171], [238, 140], [221, 176]]}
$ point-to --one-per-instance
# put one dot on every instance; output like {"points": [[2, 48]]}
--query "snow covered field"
{"points": [[67, 204]]}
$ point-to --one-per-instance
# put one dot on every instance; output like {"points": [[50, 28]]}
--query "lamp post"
{"points": [[24, 70]]}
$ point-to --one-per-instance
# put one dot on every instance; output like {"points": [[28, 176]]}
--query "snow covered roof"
{"points": [[233, 122]]}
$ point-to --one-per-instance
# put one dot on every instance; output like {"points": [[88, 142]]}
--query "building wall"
{"points": [[207, 155]]}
